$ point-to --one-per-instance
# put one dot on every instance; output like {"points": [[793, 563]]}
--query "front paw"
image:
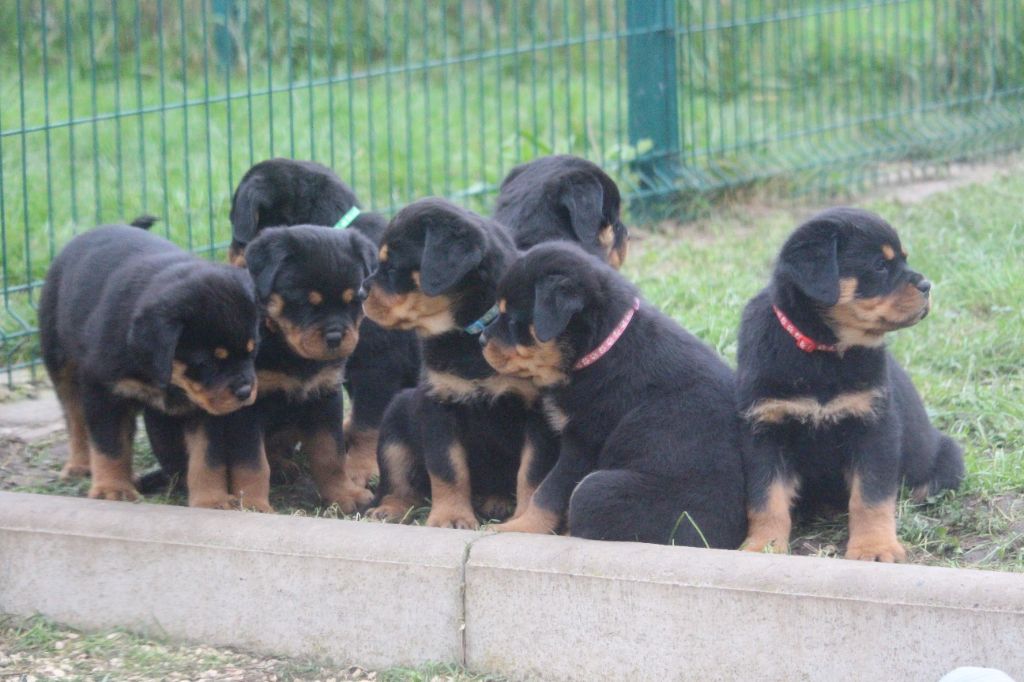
{"points": [[349, 497], [773, 544], [213, 501], [533, 520], [497, 507], [261, 505], [119, 491], [463, 519], [886, 550], [392, 510], [74, 471]]}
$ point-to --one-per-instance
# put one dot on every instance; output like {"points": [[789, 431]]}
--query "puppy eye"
{"points": [[881, 265]]}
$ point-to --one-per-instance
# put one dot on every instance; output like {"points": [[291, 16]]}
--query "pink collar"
{"points": [[606, 345], [803, 342]]}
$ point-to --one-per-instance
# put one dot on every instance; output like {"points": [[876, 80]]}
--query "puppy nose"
{"points": [[333, 339], [924, 286], [242, 392]]}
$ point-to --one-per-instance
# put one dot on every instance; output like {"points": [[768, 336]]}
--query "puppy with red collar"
{"points": [[827, 410], [650, 450]]}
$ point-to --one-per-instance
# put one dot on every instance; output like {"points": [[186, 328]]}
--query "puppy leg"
{"points": [[548, 504], [111, 427], [450, 491], [70, 397], [327, 464], [540, 452], [873, 527], [240, 437], [207, 477], [250, 482], [397, 495], [768, 516], [361, 448]]}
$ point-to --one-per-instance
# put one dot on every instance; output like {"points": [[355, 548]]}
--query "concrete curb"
{"points": [[526, 606]]}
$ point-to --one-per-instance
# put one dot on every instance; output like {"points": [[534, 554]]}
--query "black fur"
{"points": [[119, 307], [649, 435], [563, 198], [457, 257], [895, 439]]}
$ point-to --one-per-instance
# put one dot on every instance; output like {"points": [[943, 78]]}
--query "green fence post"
{"points": [[653, 87], [223, 42]]}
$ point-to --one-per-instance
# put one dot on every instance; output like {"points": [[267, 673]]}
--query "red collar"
{"points": [[803, 342], [606, 345]]}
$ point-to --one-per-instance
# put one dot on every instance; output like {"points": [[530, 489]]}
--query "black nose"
{"points": [[333, 339], [924, 286], [242, 392], [363, 293]]}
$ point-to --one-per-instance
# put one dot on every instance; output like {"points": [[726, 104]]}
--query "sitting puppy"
{"points": [[827, 410], [306, 277], [281, 192], [465, 431], [649, 444], [128, 320], [564, 198]]}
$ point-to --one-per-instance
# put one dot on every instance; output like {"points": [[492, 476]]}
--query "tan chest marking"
{"points": [[455, 388], [324, 381], [855, 404], [556, 417]]}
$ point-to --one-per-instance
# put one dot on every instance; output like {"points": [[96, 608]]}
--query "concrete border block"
{"points": [[354, 592], [567, 609]]}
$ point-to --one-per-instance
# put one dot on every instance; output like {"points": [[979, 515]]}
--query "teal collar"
{"points": [[347, 219], [487, 318]]}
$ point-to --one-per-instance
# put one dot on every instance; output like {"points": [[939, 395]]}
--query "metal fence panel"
{"points": [[112, 108]]}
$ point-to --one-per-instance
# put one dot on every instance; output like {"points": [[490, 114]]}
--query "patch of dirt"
{"points": [[30, 466]]}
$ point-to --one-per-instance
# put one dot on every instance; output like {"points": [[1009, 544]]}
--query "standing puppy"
{"points": [[826, 409], [127, 320], [567, 198], [465, 432], [649, 440]]}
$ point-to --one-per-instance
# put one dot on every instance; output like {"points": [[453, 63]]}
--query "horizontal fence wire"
{"points": [[110, 108]]}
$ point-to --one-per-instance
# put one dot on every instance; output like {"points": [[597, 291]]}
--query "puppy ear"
{"points": [[365, 251], [811, 263], [245, 211], [555, 301], [453, 248], [583, 199], [263, 258], [152, 337]]}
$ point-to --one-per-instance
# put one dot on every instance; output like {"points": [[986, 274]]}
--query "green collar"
{"points": [[347, 219], [487, 318]]}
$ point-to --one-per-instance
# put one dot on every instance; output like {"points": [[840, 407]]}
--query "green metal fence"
{"points": [[112, 108]]}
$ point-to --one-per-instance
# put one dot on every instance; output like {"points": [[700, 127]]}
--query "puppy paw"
{"points": [[766, 543], [497, 507], [74, 471], [349, 497], [527, 523], [884, 550], [255, 504], [214, 501], [119, 491], [463, 519], [361, 470], [391, 510]]}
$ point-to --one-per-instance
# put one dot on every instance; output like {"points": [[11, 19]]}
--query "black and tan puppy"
{"points": [[281, 192], [827, 411], [650, 449], [128, 320], [564, 198], [466, 432]]}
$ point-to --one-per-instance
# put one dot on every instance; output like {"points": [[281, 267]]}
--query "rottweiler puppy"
{"points": [[650, 450], [307, 278], [465, 432], [281, 192], [827, 411], [564, 197], [128, 321]]}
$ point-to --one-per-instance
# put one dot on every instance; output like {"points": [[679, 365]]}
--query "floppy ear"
{"points": [[152, 338], [452, 249], [264, 258], [811, 263], [583, 199], [366, 252], [245, 211], [555, 301]]}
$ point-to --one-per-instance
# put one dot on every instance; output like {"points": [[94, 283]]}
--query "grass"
{"points": [[41, 649]]}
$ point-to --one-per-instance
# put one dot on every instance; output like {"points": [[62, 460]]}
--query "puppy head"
{"points": [[307, 279], [438, 268], [565, 197], [556, 304], [197, 331], [285, 192], [852, 267]]}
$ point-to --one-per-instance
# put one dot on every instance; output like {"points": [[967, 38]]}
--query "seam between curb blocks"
{"points": [[462, 597]]}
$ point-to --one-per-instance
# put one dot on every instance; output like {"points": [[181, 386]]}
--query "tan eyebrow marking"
{"points": [[251, 345], [383, 255], [502, 304], [348, 295], [888, 252], [315, 297], [220, 353]]}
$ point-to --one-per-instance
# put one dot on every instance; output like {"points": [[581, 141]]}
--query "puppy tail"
{"points": [[949, 466], [144, 221]]}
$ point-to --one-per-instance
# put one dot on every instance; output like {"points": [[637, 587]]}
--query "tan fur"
{"points": [[606, 237], [888, 252], [533, 519], [428, 315], [361, 449], [873, 529], [864, 321], [541, 363], [859, 404], [112, 471], [236, 257], [395, 506], [207, 485], [556, 417], [326, 380], [250, 484], [524, 486], [617, 256], [217, 402], [382, 256], [450, 387], [496, 507], [348, 295], [315, 297], [68, 392], [327, 465], [308, 342], [250, 345], [220, 353], [451, 503], [769, 528]]}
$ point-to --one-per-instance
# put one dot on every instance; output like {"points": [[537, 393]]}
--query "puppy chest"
{"points": [[815, 412]]}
